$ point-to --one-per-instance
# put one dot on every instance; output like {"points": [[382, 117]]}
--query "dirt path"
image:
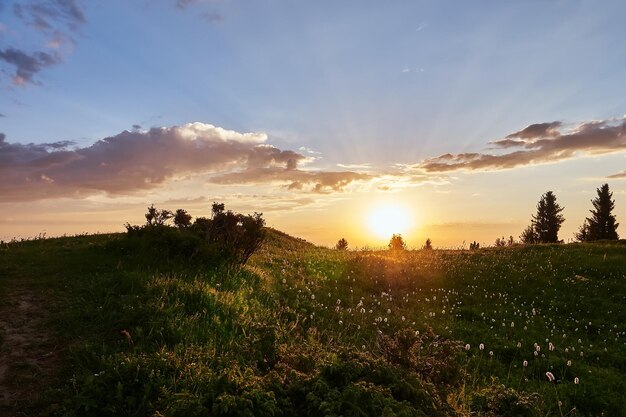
{"points": [[28, 357]]}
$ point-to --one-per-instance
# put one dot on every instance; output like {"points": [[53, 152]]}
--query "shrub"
{"points": [[226, 240], [428, 245], [342, 244]]}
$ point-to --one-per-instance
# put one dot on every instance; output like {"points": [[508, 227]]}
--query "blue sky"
{"points": [[360, 82]]}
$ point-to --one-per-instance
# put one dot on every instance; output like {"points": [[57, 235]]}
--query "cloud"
{"points": [[294, 179], [142, 160], [537, 144], [3, 115], [27, 65], [49, 15], [57, 21], [621, 174]]}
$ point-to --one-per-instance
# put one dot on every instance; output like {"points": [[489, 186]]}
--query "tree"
{"points": [[545, 225], [342, 244], [428, 245], [397, 243], [601, 224], [156, 217], [474, 245], [528, 236], [182, 219]]}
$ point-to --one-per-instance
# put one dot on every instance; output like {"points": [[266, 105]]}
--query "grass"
{"points": [[303, 330]]}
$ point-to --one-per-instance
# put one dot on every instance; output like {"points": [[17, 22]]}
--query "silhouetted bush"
{"points": [[342, 244], [226, 240], [428, 245], [182, 219], [474, 245]]}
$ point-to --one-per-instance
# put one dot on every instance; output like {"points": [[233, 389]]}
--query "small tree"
{"points": [[474, 245], [428, 245], [342, 244], [500, 242], [528, 236], [156, 217], [397, 243], [601, 224], [546, 223], [182, 219]]}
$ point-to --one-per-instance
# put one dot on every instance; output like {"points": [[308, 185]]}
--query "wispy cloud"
{"points": [[619, 175], [537, 144], [26, 65], [58, 21]]}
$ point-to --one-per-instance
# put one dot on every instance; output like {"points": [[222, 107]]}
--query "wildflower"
{"points": [[481, 346], [569, 363], [312, 296], [491, 353], [519, 344], [576, 380], [550, 376], [550, 347], [340, 322], [525, 363], [467, 346], [284, 281]]}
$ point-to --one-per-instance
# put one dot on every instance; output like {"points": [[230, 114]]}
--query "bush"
{"points": [[226, 240], [342, 244]]}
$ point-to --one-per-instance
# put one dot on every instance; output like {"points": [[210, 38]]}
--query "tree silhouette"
{"points": [[529, 236], [601, 224], [428, 245], [397, 243], [182, 219], [474, 245], [156, 217], [546, 223], [342, 244]]}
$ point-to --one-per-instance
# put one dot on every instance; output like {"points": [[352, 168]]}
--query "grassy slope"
{"points": [[303, 329]]}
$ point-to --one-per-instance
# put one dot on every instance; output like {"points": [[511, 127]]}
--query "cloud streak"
{"points": [[141, 160], [537, 144]]}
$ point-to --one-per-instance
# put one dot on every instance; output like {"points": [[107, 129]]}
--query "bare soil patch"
{"points": [[29, 359]]}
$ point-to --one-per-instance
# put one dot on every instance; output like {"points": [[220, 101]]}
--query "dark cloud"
{"points": [[27, 65], [539, 143], [138, 161], [3, 115], [537, 130]]}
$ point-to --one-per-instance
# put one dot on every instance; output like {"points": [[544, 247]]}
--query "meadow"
{"points": [[534, 330]]}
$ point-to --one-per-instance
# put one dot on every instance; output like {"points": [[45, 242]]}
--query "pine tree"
{"points": [[546, 223], [397, 243], [601, 224]]}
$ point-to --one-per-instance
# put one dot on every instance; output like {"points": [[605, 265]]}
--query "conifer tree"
{"points": [[601, 224], [546, 223]]}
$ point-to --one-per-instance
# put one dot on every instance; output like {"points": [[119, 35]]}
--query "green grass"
{"points": [[304, 330]]}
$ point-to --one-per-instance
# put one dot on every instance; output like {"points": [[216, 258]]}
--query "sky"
{"points": [[450, 117]]}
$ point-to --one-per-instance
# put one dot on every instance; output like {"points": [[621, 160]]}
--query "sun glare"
{"points": [[385, 221]]}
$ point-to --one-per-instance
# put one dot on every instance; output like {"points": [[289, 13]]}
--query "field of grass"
{"points": [[309, 331]]}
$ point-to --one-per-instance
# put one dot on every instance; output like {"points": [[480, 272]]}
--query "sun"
{"points": [[387, 220]]}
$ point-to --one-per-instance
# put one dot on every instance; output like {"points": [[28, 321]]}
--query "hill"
{"points": [[89, 328]]}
